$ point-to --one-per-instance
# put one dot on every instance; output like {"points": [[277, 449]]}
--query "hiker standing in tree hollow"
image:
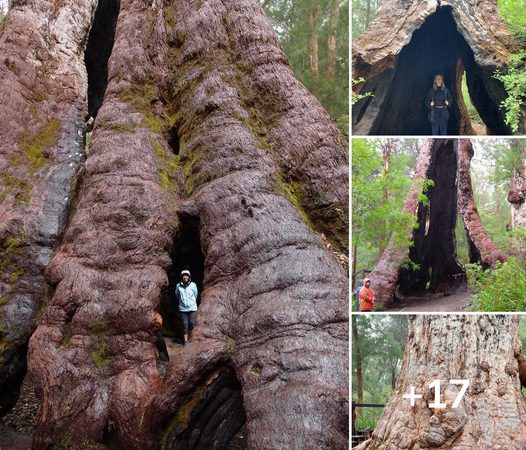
{"points": [[186, 293], [367, 297], [438, 100]]}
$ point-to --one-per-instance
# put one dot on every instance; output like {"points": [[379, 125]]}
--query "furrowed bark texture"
{"points": [[492, 414], [385, 275], [259, 165], [485, 251], [408, 42], [517, 197], [43, 108]]}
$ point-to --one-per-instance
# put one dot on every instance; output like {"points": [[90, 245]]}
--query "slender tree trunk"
{"points": [[357, 360], [517, 198], [368, 13], [354, 265], [314, 16], [387, 150], [330, 71], [492, 413]]}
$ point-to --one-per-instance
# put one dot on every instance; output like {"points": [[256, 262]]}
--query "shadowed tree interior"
{"points": [[434, 248], [186, 254], [399, 102], [98, 51], [210, 418]]}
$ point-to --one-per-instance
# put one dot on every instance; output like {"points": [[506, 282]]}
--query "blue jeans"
{"points": [[439, 125], [188, 319]]}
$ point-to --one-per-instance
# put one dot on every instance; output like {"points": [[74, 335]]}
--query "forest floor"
{"points": [[426, 302], [17, 425]]}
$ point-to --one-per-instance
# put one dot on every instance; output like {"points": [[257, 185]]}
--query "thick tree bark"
{"points": [[330, 71], [481, 246], [492, 414], [447, 164], [262, 169], [43, 109], [385, 275], [408, 42], [517, 197]]}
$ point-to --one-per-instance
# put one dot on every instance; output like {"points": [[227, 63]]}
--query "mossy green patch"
{"points": [[100, 326], [169, 166], [13, 278], [34, 145], [68, 333], [292, 191], [184, 413], [5, 298], [118, 127], [99, 355]]}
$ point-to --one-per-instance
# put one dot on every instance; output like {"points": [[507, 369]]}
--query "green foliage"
{"points": [[34, 145], [473, 114], [514, 13], [355, 96], [378, 194], [363, 12], [380, 349], [514, 81], [501, 289], [291, 24]]}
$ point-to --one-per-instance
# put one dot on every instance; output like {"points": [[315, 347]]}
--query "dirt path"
{"points": [[457, 302]]}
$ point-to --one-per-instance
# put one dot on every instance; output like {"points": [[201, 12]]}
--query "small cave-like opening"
{"points": [[173, 140], [216, 419], [186, 255], [98, 50], [435, 48], [434, 249]]}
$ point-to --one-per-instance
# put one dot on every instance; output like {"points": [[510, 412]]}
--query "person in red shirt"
{"points": [[366, 296]]}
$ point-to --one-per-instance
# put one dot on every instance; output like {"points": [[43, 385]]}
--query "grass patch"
{"points": [[501, 289]]}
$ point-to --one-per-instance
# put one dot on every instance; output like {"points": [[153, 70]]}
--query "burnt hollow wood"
{"points": [[399, 66], [446, 162]]}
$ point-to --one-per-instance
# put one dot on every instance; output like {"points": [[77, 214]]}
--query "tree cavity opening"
{"points": [[434, 249], [211, 417], [186, 255], [400, 107], [98, 50]]}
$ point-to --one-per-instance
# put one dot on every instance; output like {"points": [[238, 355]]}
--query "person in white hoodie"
{"points": [[186, 294]]}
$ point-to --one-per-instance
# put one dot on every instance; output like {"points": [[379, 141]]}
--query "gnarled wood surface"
{"points": [[202, 119]]}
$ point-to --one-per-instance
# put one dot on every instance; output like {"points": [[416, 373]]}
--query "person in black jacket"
{"points": [[438, 101]]}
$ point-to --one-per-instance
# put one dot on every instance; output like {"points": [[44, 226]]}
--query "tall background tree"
{"points": [[315, 36]]}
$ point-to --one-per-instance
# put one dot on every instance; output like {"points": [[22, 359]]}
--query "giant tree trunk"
{"points": [[205, 148], [517, 198], [492, 413], [408, 42], [446, 162], [43, 106]]}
